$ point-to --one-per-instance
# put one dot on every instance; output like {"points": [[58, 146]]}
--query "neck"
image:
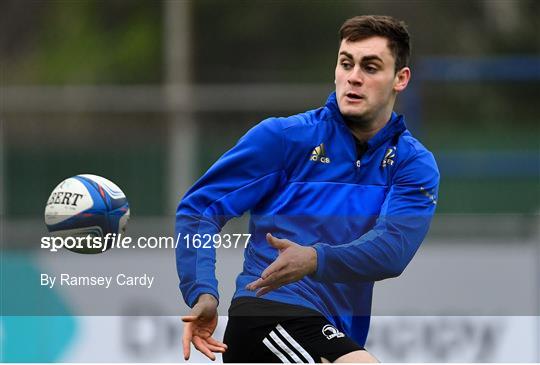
{"points": [[363, 130]]}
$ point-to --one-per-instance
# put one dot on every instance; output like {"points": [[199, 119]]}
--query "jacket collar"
{"points": [[394, 127]]}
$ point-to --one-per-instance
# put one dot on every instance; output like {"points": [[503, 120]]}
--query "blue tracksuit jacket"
{"points": [[302, 179]]}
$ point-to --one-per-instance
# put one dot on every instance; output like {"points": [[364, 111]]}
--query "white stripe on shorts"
{"points": [[285, 347], [295, 344], [276, 352]]}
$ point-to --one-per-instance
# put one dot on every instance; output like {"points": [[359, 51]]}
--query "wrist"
{"points": [[312, 261], [320, 267], [207, 298]]}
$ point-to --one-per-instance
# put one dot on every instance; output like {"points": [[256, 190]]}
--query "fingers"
{"points": [[273, 279], [254, 284], [271, 283], [214, 345], [266, 290], [205, 346], [269, 275], [202, 346], [278, 243], [215, 348], [215, 342], [186, 340], [273, 268]]}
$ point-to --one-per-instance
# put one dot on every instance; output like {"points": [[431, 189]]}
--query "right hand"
{"points": [[199, 326]]}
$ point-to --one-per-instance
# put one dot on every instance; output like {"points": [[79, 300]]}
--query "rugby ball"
{"points": [[86, 206]]}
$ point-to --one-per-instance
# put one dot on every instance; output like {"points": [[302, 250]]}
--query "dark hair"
{"points": [[367, 26]]}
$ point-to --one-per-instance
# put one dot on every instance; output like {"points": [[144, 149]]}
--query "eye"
{"points": [[346, 65], [370, 69]]}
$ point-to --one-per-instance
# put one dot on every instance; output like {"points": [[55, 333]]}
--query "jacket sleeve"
{"points": [[233, 185], [385, 250]]}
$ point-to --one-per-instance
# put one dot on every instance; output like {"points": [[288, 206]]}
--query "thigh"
{"points": [[245, 340], [318, 338]]}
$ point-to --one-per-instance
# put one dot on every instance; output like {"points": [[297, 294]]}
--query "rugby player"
{"points": [[340, 197]]}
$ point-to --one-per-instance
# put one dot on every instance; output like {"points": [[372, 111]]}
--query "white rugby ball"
{"points": [[86, 205]]}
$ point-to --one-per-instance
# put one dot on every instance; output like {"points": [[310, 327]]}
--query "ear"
{"points": [[401, 80]]}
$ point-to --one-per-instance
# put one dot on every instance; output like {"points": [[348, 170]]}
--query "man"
{"points": [[340, 197]]}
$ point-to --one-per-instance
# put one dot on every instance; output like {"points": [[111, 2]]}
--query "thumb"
{"points": [[194, 314], [280, 244], [189, 318]]}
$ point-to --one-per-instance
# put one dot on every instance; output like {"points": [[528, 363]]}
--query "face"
{"points": [[366, 81]]}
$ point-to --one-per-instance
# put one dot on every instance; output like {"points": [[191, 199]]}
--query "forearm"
{"points": [[381, 253], [195, 265]]}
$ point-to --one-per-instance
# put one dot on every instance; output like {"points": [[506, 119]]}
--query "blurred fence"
{"points": [[128, 134]]}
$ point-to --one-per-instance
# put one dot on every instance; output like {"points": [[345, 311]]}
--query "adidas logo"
{"points": [[389, 157], [319, 154]]}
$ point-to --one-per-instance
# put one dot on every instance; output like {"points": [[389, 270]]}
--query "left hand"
{"points": [[293, 263]]}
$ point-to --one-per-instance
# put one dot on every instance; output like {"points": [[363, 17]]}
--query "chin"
{"points": [[351, 113]]}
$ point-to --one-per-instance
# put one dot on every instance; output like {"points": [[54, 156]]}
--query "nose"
{"points": [[355, 77]]}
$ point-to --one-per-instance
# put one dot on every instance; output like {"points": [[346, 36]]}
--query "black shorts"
{"points": [[261, 330]]}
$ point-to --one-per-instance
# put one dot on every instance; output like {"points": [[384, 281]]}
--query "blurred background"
{"points": [[150, 93]]}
